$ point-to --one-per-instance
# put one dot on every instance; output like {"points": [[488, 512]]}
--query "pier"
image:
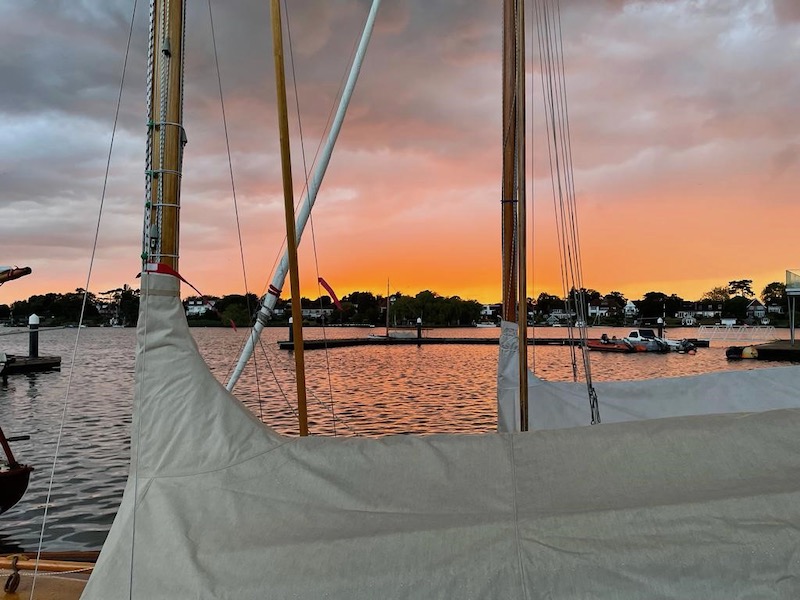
{"points": [[11, 364], [16, 365], [776, 350], [427, 341]]}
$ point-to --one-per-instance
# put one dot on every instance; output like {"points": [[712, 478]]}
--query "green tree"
{"points": [[741, 287], [736, 307], [237, 308], [717, 294], [652, 304], [774, 293], [545, 303], [129, 305], [673, 304], [617, 297]]}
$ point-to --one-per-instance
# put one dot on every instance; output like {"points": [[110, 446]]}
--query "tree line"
{"points": [[729, 300], [121, 306]]}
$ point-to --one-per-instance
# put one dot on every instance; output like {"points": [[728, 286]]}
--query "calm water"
{"points": [[370, 390]]}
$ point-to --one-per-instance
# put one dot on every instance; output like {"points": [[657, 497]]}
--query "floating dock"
{"points": [[427, 341], [777, 350], [16, 365]]}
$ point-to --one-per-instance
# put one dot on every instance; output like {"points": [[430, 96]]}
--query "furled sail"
{"points": [[220, 506]]}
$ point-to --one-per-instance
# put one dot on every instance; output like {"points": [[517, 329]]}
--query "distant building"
{"points": [[756, 310], [699, 310], [775, 308], [196, 308], [491, 310], [316, 313]]}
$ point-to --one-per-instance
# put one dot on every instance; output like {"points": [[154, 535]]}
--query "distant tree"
{"points": [[237, 314], [741, 287], [652, 304], [545, 303], [774, 293], [717, 294], [617, 297], [673, 304], [129, 305], [237, 308], [735, 307]]}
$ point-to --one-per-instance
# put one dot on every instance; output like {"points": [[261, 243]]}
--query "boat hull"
{"points": [[610, 346], [13, 484]]}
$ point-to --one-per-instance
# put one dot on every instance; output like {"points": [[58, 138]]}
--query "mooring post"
{"points": [[33, 336], [419, 328], [291, 331], [660, 324]]}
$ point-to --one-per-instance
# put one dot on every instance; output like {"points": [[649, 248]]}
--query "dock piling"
{"points": [[33, 338]]}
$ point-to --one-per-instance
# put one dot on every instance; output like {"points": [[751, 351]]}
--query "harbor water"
{"points": [[80, 448]]}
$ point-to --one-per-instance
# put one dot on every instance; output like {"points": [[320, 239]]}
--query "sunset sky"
{"points": [[683, 113]]}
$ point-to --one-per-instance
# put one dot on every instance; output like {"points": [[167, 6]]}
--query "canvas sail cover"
{"points": [[562, 404], [220, 506]]}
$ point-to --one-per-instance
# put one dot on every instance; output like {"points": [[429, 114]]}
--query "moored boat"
{"points": [[14, 477], [606, 344]]}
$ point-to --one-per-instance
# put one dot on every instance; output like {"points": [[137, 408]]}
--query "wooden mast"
{"points": [[288, 203], [513, 189], [522, 234], [166, 134]]}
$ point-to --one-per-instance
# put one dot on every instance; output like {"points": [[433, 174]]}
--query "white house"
{"points": [[599, 308], [756, 310], [315, 313], [777, 309], [195, 308], [630, 309]]}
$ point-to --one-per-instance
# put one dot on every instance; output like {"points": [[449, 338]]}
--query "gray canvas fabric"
{"points": [[691, 507]]}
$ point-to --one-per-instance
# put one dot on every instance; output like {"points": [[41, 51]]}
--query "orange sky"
{"points": [[685, 143]]}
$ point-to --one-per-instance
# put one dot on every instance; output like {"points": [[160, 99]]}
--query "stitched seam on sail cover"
{"points": [[517, 541]]}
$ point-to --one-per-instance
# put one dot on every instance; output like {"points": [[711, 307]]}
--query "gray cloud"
{"points": [[652, 86]]}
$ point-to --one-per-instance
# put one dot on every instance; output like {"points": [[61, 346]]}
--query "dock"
{"points": [[428, 341], [16, 365], [777, 350]]}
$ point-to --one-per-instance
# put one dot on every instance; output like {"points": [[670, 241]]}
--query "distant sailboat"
{"points": [[218, 505]]}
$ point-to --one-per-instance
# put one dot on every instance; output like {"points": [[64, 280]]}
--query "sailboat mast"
{"points": [[288, 203], [166, 137], [522, 232], [269, 300], [509, 148], [513, 189]]}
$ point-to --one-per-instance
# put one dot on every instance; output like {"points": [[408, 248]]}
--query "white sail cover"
{"points": [[219, 506], [563, 404]]}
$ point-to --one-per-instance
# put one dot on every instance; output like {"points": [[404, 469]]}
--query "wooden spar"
{"points": [[7, 450], [26, 563], [166, 134], [509, 147], [304, 212], [513, 189], [288, 203], [522, 234]]}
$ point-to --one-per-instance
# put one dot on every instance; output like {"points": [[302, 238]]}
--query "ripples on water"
{"points": [[371, 391]]}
